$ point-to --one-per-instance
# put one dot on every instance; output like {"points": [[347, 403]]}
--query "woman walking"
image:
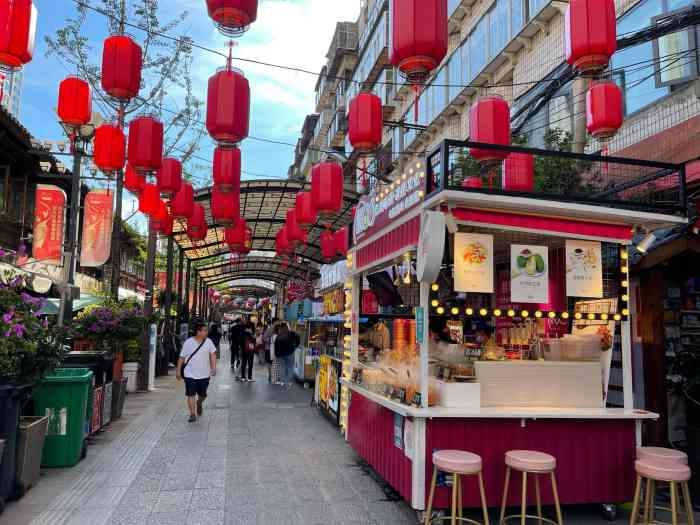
{"points": [[247, 353], [285, 345]]}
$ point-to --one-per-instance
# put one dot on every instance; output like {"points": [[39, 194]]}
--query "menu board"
{"points": [[473, 256], [529, 273], [584, 269]]}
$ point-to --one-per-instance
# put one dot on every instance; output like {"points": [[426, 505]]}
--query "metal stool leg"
{"points": [[635, 505], [539, 499], [459, 496], [505, 497], [523, 503], [674, 504], [688, 503], [455, 485], [555, 492], [652, 501], [429, 512], [647, 500], [484, 507]]}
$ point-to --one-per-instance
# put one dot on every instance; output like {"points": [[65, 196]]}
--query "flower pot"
{"points": [[12, 398], [131, 371], [30, 443], [82, 345]]}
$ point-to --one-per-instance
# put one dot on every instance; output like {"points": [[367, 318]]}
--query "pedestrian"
{"points": [[285, 345], [247, 353], [234, 336], [259, 344], [196, 365], [215, 336], [268, 334]]}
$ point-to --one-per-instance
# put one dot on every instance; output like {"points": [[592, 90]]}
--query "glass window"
{"points": [[440, 92], [517, 16], [678, 4], [477, 44], [498, 30], [464, 52], [675, 57], [560, 114], [454, 69], [534, 7]]}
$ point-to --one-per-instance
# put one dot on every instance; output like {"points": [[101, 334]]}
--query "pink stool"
{"points": [[536, 463], [673, 473], [662, 455], [458, 463]]}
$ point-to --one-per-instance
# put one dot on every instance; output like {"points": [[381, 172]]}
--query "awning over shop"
{"points": [[85, 300]]}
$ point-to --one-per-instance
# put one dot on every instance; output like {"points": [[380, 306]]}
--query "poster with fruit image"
{"points": [[529, 273], [473, 256]]}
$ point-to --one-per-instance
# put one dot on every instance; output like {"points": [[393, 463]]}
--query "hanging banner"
{"points": [[473, 256], [529, 273], [49, 218], [584, 269], [97, 229]]}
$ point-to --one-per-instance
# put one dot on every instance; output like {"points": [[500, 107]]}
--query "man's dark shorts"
{"points": [[196, 387]]}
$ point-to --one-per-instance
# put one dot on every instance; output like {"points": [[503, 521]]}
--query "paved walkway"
{"points": [[259, 455]]}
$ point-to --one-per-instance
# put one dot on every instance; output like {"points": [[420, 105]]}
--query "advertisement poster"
{"points": [[529, 273], [97, 229], [584, 269], [49, 217], [473, 263]]}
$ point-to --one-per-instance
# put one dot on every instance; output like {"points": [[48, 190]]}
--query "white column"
{"points": [[424, 352], [418, 464]]}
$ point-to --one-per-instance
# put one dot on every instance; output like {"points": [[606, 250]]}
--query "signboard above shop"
{"points": [[332, 275]]}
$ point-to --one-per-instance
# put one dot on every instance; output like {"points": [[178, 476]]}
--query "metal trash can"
{"points": [[102, 365], [118, 397], [30, 444], [11, 400]]}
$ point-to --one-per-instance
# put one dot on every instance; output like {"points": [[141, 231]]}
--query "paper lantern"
{"points": [[74, 102], [109, 148], [161, 220], [149, 199], [328, 248], [604, 109], [590, 29], [169, 177], [365, 122], [183, 202], [327, 189], [282, 244], [228, 106], [133, 182], [305, 211], [225, 207], [233, 17], [237, 236], [121, 67], [519, 172], [17, 33], [295, 234], [341, 240], [197, 224], [489, 122], [145, 150], [227, 169]]}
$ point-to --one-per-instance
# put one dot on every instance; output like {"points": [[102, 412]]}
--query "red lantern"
{"points": [[604, 109], [473, 183], [227, 169], [133, 182], [197, 224], [233, 17], [519, 172], [327, 189], [419, 37], [282, 244], [305, 211], [365, 122], [145, 144], [235, 237], [74, 102], [225, 207], [183, 202], [169, 177], [109, 148], [341, 240], [228, 106], [295, 234], [149, 199], [489, 122], [590, 34], [162, 219], [121, 67], [17, 32], [328, 247]]}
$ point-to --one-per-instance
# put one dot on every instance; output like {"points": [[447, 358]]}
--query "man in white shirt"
{"points": [[197, 364]]}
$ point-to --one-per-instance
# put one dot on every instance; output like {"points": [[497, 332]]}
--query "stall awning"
{"points": [[85, 300]]}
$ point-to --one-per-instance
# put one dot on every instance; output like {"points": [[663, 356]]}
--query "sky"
{"points": [[288, 32]]}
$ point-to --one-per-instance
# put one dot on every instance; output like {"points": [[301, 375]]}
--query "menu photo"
{"points": [[473, 268], [584, 269], [529, 273]]}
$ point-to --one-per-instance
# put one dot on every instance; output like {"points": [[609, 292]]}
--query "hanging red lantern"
{"points": [[197, 224], [17, 33], [134, 182], [295, 234], [327, 189], [225, 207], [183, 202], [341, 240], [145, 144], [365, 122], [489, 122], [235, 236], [149, 199], [473, 183], [248, 246], [519, 172], [169, 177], [233, 17], [282, 244], [305, 211], [328, 248], [227, 169], [228, 106], [604, 109], [109, 148], [74, 102], [159, 219], [121, 67], [590, 34]]}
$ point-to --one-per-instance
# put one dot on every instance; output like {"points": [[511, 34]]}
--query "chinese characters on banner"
{"points": [[529, 273], [49, 213], [97, 229], [584, 269], [473, 263]]}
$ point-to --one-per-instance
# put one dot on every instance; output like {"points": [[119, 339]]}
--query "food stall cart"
{"points": [[523, 319]]}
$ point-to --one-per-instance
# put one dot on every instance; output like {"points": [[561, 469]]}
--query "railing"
{"points": [[571, 177]]}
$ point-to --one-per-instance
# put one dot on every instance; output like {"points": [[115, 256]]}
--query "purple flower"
{"points": [[2, 252], [19, 330], [45, 323], [22, 250], [8, 333], [8, 317]]}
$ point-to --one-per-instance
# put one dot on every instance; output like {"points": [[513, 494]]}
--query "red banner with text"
{"points": [[49, 218], [97, 229]]}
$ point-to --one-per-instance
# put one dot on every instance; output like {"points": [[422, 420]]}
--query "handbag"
{"points": [[184, 365]]}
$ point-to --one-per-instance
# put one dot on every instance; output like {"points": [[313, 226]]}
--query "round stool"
{"points": [[536, 463], [662, 455], [671, 473], [458, 463]]}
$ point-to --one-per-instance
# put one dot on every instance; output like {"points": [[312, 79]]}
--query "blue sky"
{"points": [[289, 32]]}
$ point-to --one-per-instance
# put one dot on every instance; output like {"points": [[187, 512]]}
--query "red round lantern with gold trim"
{"points": [[228, 106], [327, 189], [226, 171], [145, 150], [109, 148], [305, 211], [295, 234], [604, 109], [74, 102], [149, 199], [489, 122], [133, 182], [183, 202], [341, 240], [282, 244], [233, 17], [169, 177], [225, 207], [17, 33], [519, 172], [121, 67], [161, 220], [590, 29], [235, 236], [328, 247], [197, 224], [365, 122]]}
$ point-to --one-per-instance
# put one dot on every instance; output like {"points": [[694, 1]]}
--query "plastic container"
{"points": [[131, 371], [30, 444], [11, 400], [101, 363], [63, 397]]}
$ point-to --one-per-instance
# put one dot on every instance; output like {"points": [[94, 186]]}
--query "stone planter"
{"points": [[131, 371]]}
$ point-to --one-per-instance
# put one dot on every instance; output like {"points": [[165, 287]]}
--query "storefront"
{"points": [[520, 326]]}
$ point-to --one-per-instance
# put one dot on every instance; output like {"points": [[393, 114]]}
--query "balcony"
{"points": [[338, 129], [344, 41]]}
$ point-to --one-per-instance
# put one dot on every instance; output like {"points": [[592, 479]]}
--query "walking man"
{"points": [[235, 337], [196, 365]]}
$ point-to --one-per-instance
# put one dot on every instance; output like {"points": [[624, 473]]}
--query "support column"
{"points": [[71, 251], [424, 352], [117, 238], [579, 88], [195, 297], [180, 276], [186, 302], [169, 267], [148, 310]]}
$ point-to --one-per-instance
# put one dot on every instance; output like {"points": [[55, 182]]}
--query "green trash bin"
{"points": [[63, 397]]}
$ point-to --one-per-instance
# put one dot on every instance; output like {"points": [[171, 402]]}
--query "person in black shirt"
{"points": [[247, 352], [285, 345], [235, 336]]}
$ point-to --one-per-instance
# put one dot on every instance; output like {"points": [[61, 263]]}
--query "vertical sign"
{"points": [[398, 431], [49, 218], [529, 273], [420, 322], [97, 229], [473, 256], [584, 269]]}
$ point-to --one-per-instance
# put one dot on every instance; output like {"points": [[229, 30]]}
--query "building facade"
{"points": [[11, 91]]}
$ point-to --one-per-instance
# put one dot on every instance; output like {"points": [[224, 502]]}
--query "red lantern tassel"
{"points": [[417, 91]]}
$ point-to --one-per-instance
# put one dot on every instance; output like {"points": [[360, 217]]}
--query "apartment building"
{"points": [[11, 91]]}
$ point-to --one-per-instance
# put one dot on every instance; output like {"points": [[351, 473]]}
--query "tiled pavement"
{"points": [[259, 455]]}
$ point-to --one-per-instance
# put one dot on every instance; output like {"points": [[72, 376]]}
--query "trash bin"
{"points": [[30, 444], [102, 365], [118, 397], [63, 397], [131, 371], [11, 400]]}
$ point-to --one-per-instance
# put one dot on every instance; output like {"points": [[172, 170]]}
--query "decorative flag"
{"points": [[49, 224], [97, 229], [584, 269], [473, 263], [529, 273]]}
